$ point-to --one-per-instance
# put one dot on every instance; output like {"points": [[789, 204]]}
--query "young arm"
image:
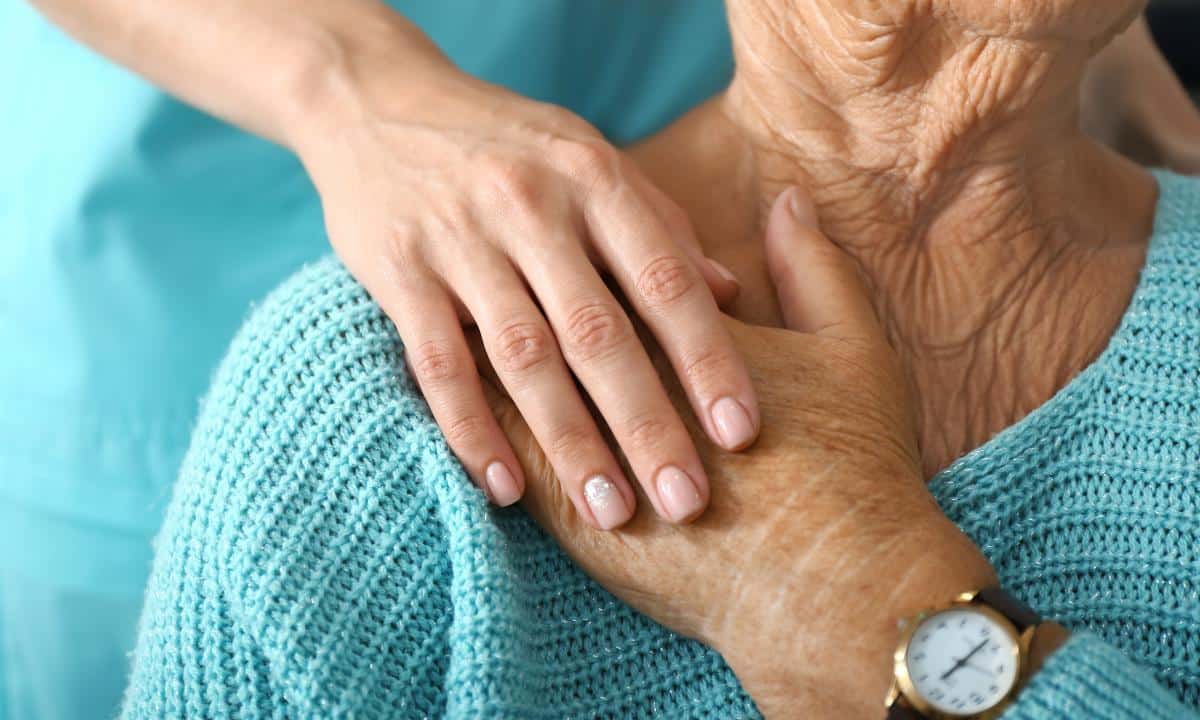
{"points": [[453, 200]]}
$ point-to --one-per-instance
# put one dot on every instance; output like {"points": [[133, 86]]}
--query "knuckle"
{"points": [[594, 329], [591, 160], [434, 362], [569, 443], [516, 183], [562, 119], [523, 346], [707, 367], [465, 431], [665, 280], [451, 219], [645, 433], [405, 240]]}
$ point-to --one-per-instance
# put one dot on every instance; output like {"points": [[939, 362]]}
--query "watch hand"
{"points": [[946, 675], [959, 663], [978, 647]]}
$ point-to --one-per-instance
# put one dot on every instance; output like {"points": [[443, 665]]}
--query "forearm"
{"points": [[267, 66]]}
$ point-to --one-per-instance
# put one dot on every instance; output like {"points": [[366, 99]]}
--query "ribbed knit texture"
{"points": [[325, 556]]}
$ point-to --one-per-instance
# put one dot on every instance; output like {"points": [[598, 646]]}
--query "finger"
{"points": [[719, 279], [545, 499], [525, 357], [440, 360], [600, 346], [662, 284], [818, 285]]}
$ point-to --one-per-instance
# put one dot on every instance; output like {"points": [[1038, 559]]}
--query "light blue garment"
{"points": [[134, 234], [324, 554]]}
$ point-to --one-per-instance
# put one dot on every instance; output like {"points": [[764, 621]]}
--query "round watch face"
{"points": [[962, 661]]}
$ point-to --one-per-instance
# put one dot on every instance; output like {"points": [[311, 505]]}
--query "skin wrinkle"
{"points": [[942, 150], [983, 236]]}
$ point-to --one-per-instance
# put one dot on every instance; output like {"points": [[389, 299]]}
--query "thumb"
{"points": [[818, 285]]}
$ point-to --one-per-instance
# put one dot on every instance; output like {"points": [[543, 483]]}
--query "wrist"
{"points": [[833, 647], [350, 66], [1047, 639]]}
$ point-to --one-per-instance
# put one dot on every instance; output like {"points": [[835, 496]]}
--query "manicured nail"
{"points": [[502, 485], [606, 502], [734, 428], [801, 206], [680, 498], [725, 273]]}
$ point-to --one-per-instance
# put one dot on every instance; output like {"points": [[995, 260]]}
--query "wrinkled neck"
{"points": [[891, 115], [1000, 245]]}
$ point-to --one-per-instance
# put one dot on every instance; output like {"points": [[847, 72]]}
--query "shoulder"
{"points": [[1092, 499], [304, 529]]}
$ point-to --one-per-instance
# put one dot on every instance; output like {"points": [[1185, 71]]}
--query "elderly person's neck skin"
{"points": [[940, 141]]}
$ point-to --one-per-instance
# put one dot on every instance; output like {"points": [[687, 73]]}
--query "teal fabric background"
{"points": [[136, 232]]}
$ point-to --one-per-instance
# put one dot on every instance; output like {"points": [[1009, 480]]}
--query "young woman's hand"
{"points": [[1133, 101], [457, 202], [820, 537]]}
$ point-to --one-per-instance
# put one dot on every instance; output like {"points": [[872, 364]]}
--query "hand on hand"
{"points": [[1133, 101], [487, 208], [820, 537]]}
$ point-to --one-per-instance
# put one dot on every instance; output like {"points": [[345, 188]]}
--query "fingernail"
{"points": [[502, 485], [734, 428], [680, 498], [801, 206], [724, 272], [606, 502]]}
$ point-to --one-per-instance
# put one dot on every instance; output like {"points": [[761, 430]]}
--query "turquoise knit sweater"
{"points": [[325, 556]]}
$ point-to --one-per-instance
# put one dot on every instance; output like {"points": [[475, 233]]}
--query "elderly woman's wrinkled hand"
{"points": [[822, 535]]}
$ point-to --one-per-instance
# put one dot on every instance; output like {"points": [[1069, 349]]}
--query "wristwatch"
{"points": [[965, 661]]}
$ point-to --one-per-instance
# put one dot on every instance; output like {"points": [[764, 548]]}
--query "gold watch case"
{"points": [[902, 684]]}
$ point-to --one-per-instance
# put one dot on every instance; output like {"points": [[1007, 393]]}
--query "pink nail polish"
{"points": [[606, 502], [502, 484], [680, 498], [734, 428]]}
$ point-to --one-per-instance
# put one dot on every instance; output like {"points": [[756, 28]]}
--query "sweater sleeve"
{"points": [[301, 570], [1086, 678]]}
